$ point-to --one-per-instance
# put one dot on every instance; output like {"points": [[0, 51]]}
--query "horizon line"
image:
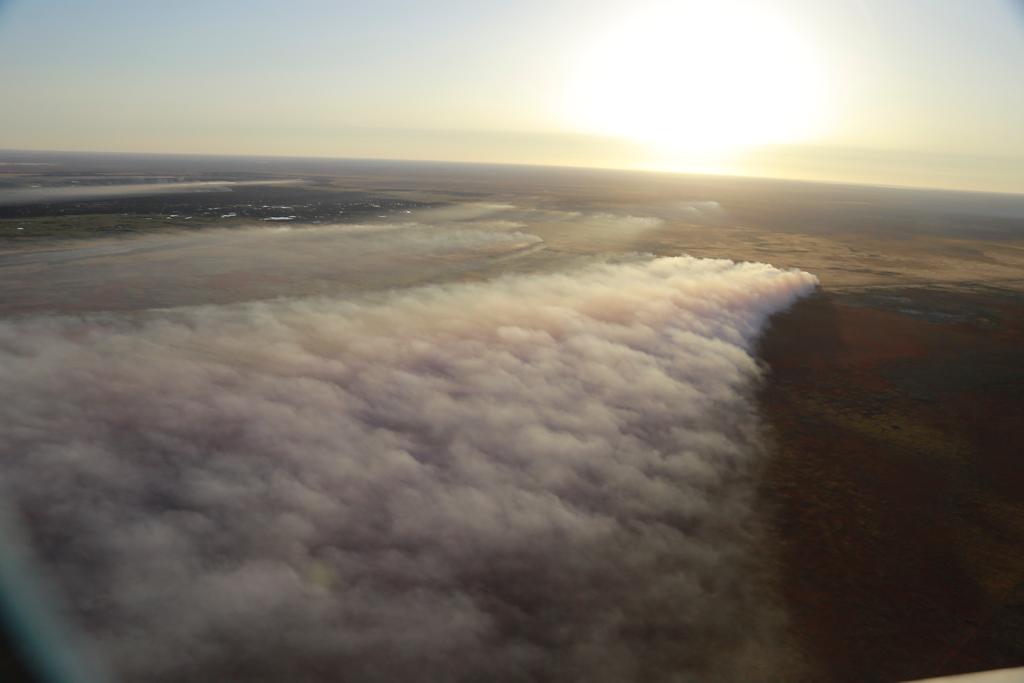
{"points": [[553, 166]]}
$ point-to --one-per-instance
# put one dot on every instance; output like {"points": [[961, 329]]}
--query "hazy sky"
{"points": [[909, 92]]}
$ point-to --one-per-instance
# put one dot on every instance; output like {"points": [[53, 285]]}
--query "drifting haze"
{"points": [[36, 195], [541, 476]]}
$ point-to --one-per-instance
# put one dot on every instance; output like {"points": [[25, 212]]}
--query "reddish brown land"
{"points": [[898, 423]]}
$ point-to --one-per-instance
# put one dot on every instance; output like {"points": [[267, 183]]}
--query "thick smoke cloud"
{"points": [[538, 477]]}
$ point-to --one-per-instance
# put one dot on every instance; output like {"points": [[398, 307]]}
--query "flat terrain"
{"points": [[897, 418], [894, 398]]}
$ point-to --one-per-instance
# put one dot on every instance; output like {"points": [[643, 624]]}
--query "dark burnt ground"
{"points": [[897, 484], [34, 225]]}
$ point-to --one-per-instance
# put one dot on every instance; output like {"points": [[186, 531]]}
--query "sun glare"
{"points": [[695, 80]]}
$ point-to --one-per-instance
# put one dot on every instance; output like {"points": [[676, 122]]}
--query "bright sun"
{"points": [[699, 78]]}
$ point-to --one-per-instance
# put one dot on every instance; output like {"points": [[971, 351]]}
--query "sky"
{"points": [[916, 92]]}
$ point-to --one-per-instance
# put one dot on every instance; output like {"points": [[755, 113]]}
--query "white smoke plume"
{"points": [[539, 477], [253, 263]]}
